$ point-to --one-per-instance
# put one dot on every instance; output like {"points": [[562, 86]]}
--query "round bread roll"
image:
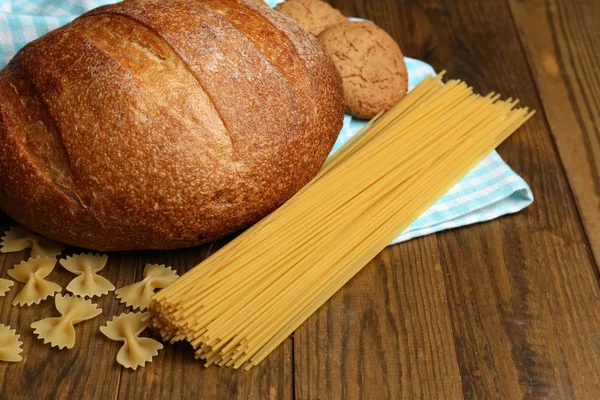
{"points": [[371, 64], [161, 125], [313, 15]]}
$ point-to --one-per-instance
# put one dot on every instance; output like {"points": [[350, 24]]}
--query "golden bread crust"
{"points": [[159, 125]]}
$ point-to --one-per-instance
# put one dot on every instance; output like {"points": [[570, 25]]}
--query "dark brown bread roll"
{"points": [[158, 125], [313, 15], [371, 65]]}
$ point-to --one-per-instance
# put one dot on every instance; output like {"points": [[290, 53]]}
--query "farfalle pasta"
{"points": [[88, 283], [136, 351], [139, 295], [32, 273], [10, 345], [5, 285], [60, 331], [18, 238]]}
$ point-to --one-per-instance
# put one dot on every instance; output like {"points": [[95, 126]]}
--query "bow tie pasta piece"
{"points": [[60, 331], [136, 351], [18, 238], [88, 283], [32, 273], [139, 295], [10, 345], [5, 285]]}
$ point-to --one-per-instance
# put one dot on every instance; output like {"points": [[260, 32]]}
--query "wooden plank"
{"points": [[176, 374], [522, 290], [88, 371], [562, 42], [386, 334]]}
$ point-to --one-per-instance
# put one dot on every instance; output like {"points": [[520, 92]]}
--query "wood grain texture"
{"points": [[562, 41], [176, 374], [506, 309], [88, 371], [522, 290], [387, 334]]}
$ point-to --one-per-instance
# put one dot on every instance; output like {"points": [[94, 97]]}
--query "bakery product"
{"points": [[313, 15], [159, 125], [127, 129], [371, 65]]}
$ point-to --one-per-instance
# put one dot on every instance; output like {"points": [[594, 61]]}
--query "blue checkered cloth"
{"points": [[489, 191]]}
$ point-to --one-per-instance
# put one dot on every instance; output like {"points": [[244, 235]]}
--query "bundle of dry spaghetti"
{"points": [[236, 307]]}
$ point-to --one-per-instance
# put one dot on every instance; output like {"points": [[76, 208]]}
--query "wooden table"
{"points": [[505, 309]]}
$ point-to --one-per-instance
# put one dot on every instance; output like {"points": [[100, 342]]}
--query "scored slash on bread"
{"points": [[88, 283], [60, 331], [139, 295], [32, 273], [136, 351], [10, 345], [18, 238], [176, 136]]}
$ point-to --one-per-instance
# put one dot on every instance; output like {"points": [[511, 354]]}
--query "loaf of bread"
{"points": [[163, 124]]}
